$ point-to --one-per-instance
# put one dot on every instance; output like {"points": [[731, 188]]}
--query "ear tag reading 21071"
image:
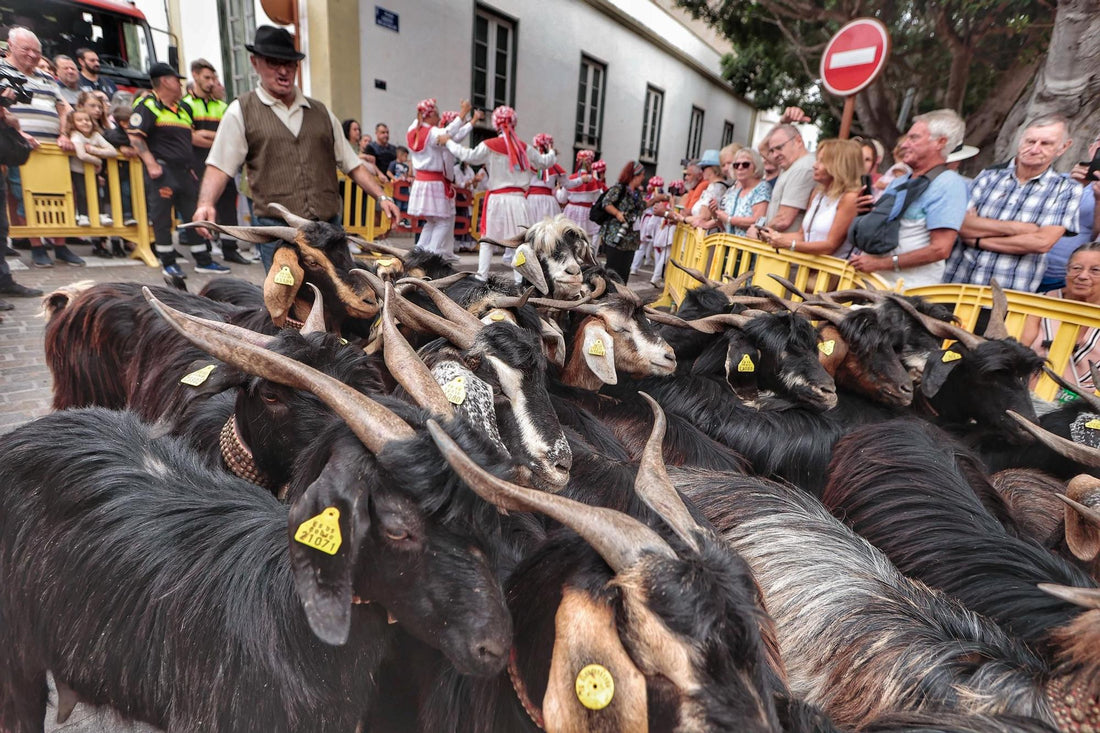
{"points": [[595, 687], [321, 532], [284, 276], [197, 377]]}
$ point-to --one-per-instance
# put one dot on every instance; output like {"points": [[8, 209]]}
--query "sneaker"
{"points": [[83, 221], [129, 222], [64, 254], [173, 271], [40, 258], [14, 289], [235, 257], [211, 267], [106, 221], [100, 251]]}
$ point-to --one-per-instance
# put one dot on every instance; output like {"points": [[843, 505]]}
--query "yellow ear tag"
{"points": [[284, 276], [950, 356], [197, 377], [597, 349], [826, 347], [496, 316], [595, 687], [321, 532], [520, 260], [455, 390], [343, 342], [1094, 424], [385, 262], [746, 365]]}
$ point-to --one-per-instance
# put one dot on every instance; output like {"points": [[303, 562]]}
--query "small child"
{"points": [[399, 168], [92, 148]]}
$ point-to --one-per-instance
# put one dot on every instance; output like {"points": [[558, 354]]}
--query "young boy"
{"points": [[399, 168]]}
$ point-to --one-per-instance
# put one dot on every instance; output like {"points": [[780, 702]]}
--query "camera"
{"points": [[1094, 166], [868, 188], [759, 223], [12, 79]]}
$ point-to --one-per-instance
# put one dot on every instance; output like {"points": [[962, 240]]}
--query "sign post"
{"points": [[854, 58]]}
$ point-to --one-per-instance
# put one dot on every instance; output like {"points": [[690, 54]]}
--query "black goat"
{"points": [[902, 486]]}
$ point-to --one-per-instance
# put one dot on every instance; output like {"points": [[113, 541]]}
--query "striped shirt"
{"points": [[40, 117], [1049, 199]]}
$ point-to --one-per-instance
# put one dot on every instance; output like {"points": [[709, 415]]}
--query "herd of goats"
{"points": [[390, 497]]}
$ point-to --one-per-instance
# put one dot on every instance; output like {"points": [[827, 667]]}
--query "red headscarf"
{"points": [[504, 122], [417, 139]]}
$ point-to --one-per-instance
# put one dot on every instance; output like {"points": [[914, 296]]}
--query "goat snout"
{"points": [[826, 395], [488, 655]]}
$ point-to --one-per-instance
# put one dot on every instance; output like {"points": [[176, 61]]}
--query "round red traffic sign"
{"points": [[854, 56]]}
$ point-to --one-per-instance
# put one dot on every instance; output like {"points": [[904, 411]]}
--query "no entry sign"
{"points": [[854, 56]]}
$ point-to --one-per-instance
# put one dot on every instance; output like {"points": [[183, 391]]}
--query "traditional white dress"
{"points": [[540, 194]]}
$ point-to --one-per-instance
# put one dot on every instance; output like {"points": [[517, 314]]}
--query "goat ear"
{"points": [[831, 349], [742, 363], [553, 343], [937, 369], [282, 284], [599, 351], [323, 580], [588, 662], [526, 263], [1082, 519]]}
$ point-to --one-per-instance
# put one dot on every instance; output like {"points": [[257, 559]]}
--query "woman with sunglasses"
{"points": [[748, 199]]}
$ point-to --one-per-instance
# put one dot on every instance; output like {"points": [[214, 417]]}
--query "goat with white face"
{"points": [[550, 255]]}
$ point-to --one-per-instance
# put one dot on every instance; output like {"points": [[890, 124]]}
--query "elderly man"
{"points": [[68, 78], [928, 224], [1017, 213], [289, 144], [45, 119], [791, 193]]}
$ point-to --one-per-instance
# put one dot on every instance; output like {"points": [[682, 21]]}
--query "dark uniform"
{"points": [[167, 132], [207, 114]]}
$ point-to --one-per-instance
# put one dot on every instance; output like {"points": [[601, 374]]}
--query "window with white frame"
{"points": [[590, 94], [494, 60], [695, 133], [727, 133], [651, 124]]}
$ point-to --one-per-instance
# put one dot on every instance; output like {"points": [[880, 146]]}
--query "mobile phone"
{"points": [[759, 223], [1094, 166], [867, 185]]}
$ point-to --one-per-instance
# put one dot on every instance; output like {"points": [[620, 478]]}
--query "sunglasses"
{"points": [[741, 164]]}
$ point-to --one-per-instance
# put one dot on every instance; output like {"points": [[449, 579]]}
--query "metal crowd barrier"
{"points": [[363, 217], [49, 203]]}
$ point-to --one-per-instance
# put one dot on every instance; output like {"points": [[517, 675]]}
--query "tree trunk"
{"points": [[1068, 82]]}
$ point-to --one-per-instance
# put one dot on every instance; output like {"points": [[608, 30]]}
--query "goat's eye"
{"points": [[269, 397], [397, 535]]}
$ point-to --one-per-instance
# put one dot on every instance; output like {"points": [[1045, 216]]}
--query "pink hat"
{"points": [[656, 182], [543, 141], [447, 118], [504, 116], [585, 156], [427, 106], [676, 188], [599, 166]]}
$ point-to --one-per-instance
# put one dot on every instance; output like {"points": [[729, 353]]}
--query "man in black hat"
{"points": [[290, 146], [160, 130]]}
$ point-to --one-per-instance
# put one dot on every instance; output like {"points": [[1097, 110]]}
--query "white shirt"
{"points": [[501, 174], [230, 147], [434, 156]]}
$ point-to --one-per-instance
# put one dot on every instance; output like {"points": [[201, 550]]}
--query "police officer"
{"points": [[208, 111], [160, 131]]}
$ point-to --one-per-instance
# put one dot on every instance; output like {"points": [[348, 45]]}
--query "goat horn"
{"points": [[666, 318], [626, 293], [791, 287], [451, 310], [823, 314], [255, 235], [445, 282], [620, 540], [781, 302], [289, 217], [1087, 513], [315, 321], [996, 328], [875, 296], [406, 367], [511, 301], [939, 328], [1084, 393], [697, 274], [728, 289], [371, 422], [386, 249], [719, 322], [1085, 597], [601, 287], [1074, 451], [461, 335], [559, 304], [655, 488]]}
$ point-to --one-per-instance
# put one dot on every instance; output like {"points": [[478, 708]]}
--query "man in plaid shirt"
{"points": [[1017, 213]]}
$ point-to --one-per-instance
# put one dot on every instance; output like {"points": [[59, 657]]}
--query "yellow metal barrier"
{"points": [[475, 215], [49, 203], [721, 255], [1073, 315], [361, 214]]}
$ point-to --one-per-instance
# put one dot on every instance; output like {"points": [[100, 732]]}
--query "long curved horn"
{"points": [[1084, 393], [511, 301], [255, 235], [823, 314], [1087, 513], [315, 321], [564, 305], [372, 423], [620, 540], [720, 322], [728, 289], [445, 282], [451, 310], [601, 287], [996, 328], [412, 315], [239, 333], [386, 249], [1085, 597], [406, 367], [654, 487], [791, 287], [626, 293], [697, 274], [1074, 451], [666, 318], [939, 328], [289, 217]]}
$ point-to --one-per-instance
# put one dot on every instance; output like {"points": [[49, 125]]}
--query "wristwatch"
{"points": [[897, 267], [384, 197]]}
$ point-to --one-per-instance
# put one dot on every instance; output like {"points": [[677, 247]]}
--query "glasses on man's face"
{"points": [[776, 148], [1075, 270], [281, 63], [741, 164]]}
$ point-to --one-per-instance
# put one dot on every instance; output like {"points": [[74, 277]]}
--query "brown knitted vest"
{"points": [[297, 172]]}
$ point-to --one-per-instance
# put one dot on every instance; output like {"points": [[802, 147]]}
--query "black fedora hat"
{"points": [[274, 43]]}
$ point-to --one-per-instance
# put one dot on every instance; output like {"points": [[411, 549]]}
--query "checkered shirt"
{"points": [[1049, 199]]}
